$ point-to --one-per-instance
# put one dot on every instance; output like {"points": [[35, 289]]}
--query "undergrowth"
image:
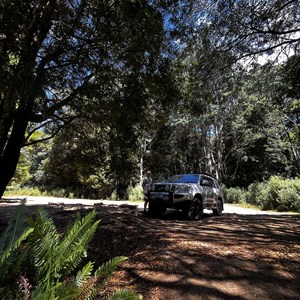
{"points": [[277, 193], [37, 262]]}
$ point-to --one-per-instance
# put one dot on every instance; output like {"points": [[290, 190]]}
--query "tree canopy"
{"points": [[115, 87]]}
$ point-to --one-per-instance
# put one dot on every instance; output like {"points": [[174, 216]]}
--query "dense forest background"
{"points": [[93, 93]]}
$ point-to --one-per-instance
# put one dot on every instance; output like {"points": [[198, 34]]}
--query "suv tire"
{"points": [[218, 210], [195, 211]]}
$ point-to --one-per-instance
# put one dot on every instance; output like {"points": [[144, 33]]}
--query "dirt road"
{"points": [[240, 255]]}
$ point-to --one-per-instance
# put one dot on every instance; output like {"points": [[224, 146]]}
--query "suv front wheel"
{"points": [[195, 211], [218, 211]]}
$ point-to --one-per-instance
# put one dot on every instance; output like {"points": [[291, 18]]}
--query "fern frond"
{"points": [[84, 274], [104, 271], [75, 243], [16, 232], [44, 246], [125, 295], [88, 291], [12, 247], [70, 223], [40, 293], [67, 291], [16, 226]]}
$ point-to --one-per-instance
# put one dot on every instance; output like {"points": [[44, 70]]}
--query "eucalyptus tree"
{"points": [[252, 27], [255, 145], [210, 89], [54, 54], [290, 93], [225, 34]]}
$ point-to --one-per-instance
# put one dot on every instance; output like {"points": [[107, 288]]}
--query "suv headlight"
{"points": [[182, 189]]}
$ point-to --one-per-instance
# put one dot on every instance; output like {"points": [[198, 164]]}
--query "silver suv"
{"points": [[190, 193]]}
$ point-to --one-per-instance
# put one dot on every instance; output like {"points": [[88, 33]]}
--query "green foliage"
{"points": [[135, 193], [114, 195], [235, 195], [50, 191], [125, 295], [38, 263], [277, 193], [11, 251], [25, 191], [253, 192], [22, 174], [280, 194]]}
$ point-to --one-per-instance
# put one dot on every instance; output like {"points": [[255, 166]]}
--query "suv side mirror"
{"points": [[205, 182]]}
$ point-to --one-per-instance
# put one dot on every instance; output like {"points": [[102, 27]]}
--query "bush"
{"points": [[14, 190], [49, 191], [253, 192], [135, 193], [114, 195], [276, 194], [235, 195]]}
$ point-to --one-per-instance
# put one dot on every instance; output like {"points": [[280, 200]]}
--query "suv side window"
{"points": [[216, 184], [209, 180]]}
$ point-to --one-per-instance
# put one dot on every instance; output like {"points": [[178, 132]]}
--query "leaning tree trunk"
{"points": [[11, 154]]}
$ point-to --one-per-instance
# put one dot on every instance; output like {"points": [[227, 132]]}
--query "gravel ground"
{"points": [[243, 255], [32, 200]]}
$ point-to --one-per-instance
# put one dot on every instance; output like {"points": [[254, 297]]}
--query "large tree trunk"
{"points": [[11, 153], [219, 151], [21, 88], [206, 148], [5, 125]]}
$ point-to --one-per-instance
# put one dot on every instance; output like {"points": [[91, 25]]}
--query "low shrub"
{"points": [[49, 191], [114, 195], [135, 193], [235, 195], [24, 191], [253, 191], [278, 193]]}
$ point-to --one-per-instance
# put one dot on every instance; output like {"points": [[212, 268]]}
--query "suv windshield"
{"points": [[190, 178]]}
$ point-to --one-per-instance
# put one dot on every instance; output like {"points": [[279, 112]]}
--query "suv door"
{"points": [[216, 190], [208, 188]]}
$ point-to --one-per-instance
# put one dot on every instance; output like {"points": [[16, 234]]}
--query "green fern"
{"points": [[16, 231], [84, 274], [43, 244], [11, 239], [125, 295], [55, 256], [74, 245], [49, 258], [104, 271]]}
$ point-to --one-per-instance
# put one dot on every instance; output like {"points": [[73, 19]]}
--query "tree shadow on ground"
{"points": [[228, 257]]}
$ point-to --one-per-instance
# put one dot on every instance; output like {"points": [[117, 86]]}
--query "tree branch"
{"points": [[49, 137]]}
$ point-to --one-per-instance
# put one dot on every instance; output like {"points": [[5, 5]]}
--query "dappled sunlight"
{"points": [[228, 257], [215, 255]]}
